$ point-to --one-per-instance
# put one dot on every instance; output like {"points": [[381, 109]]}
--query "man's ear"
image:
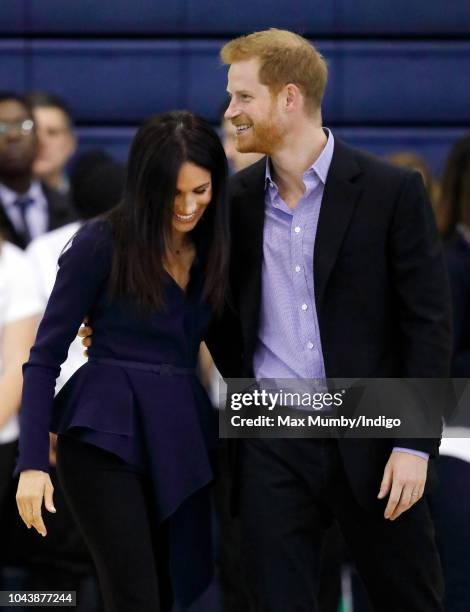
{"points": [[292, 96]]}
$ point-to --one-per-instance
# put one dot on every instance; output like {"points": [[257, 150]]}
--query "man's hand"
{"points": [[404, 478], [85, 333]]}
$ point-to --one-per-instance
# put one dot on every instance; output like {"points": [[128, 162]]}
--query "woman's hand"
{"points": [[34, 486]]}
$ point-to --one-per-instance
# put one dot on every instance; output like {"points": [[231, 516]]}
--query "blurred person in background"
{"points": [[28, 207], [57, 141], [451, 502], [410, 159], [20, 307]]}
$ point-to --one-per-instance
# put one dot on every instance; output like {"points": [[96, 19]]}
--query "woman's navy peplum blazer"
{"points": [[138, 395]]}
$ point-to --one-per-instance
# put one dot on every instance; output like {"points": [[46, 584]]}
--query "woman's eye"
{"points": [[200, 191]]}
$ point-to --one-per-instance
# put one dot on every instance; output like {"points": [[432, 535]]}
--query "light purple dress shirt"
{"points": [[289, 343]]}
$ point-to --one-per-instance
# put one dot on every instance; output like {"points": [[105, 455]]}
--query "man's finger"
{"points": [[416, 495], [86, 342], [394, 499], [386, 482], [405, 502]]}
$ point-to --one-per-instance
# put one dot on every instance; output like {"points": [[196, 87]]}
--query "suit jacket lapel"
{"points": [[338, 204], [250, 231]]}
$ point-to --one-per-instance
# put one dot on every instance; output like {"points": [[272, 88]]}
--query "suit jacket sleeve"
{"points": [[83, 269], [422, 296]]}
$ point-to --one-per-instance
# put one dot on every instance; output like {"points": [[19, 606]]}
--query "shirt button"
{"points": [[297, 268], [310, 345], [297, 229], [304, 306]]}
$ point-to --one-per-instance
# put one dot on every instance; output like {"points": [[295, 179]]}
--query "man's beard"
{"points": [[265, 137]]}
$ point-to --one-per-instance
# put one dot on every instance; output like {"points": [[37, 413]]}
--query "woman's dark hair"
{"points": [[455, 188], [142, 222]]}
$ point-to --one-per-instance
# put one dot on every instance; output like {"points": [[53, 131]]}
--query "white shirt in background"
{"points": [[43, 254], [19, 299]]}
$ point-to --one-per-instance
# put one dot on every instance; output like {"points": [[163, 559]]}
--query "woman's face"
{"points": [[193, 194]]}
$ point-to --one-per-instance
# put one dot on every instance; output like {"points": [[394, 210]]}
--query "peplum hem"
{"points": [[165, 425]]}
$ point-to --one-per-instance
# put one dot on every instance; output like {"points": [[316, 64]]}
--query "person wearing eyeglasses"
{"points": [[28, 207], [56, 137]]}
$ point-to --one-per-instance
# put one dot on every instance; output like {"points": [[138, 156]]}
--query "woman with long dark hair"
{"points": [[136, 430]]}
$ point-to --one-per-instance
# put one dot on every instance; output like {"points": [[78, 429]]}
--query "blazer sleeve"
{"points": [[422, 297], [83, 271]]}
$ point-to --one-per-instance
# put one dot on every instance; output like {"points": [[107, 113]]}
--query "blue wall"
{"points": [[399, 70]]}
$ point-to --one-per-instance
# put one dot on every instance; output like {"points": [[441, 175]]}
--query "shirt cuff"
{"points": [[411, 451]]}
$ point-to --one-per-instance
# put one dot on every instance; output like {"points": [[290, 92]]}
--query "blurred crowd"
{"points": [[46, 193]]}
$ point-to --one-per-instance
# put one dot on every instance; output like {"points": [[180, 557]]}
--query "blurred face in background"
{"points": [[253, 110], [193, 195], [17, 139], [238, 161], [56, 141]]}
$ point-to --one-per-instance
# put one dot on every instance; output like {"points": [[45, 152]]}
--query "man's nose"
{"points": [[231, 111]]}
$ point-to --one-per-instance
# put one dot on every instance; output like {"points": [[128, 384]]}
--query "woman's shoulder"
{"points": [[93, 237], [95, 230], [90, 248]]}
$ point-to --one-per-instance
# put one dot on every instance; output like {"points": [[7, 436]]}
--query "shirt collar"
{"points": [[9, 197], [320, 166]]}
